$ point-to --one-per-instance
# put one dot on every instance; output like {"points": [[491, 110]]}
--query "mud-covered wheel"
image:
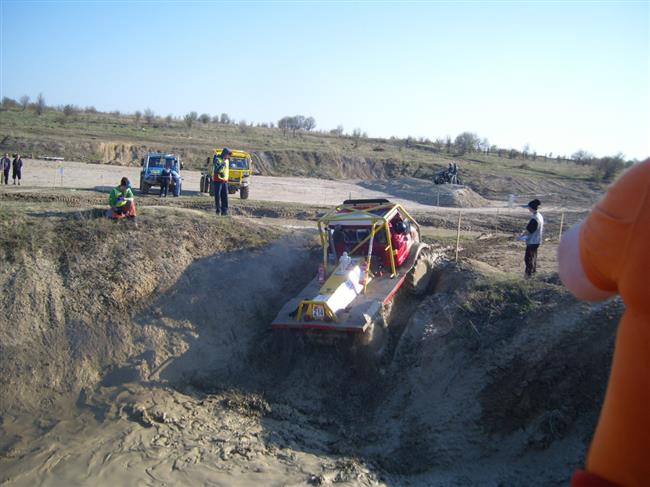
{"points": [[243, 192], [373, 340], [202, 184], [419, 277], [145, 188]]}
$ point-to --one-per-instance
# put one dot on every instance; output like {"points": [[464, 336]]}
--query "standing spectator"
{"points": [[221, 166], [165, 179], [177, 179], [533, 237], [5, 165], [17, 169], [605, 255]]}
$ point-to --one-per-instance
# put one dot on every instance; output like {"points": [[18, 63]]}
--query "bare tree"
{"points": [[149, 116], [225, 118], [582, 156], [137, 115], [40, 104], [310, 123], [216, 119], [8, 103], [467, 142], [338, 130], [69, 110], [190, 118], [169, 119], [356, 134], [284, 123], [24, 101], [90, 109], [204, 118], [606, 168]]}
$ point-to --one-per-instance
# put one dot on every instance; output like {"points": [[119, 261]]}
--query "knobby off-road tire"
{"points": [[243, 192], [145, 188], [419, 277]]}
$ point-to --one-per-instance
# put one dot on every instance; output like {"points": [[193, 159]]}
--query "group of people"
{"points": [[6, 165], [122, 202]]}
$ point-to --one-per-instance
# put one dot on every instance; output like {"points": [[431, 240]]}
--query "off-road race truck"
{"points": [[241, 173], [152, 167], [371, 247]]}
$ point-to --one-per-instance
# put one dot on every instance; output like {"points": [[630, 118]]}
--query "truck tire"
{"points": [[145, 188], [419, 277], [243, 192], [202, 184]]}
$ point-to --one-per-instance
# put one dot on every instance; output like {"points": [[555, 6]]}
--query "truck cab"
{"points": [[153, 165]]}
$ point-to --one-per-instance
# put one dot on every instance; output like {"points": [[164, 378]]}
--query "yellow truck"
{"points": [[241, 173]]}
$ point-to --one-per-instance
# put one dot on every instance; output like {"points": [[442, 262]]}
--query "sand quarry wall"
{"points": [[485, 379]]}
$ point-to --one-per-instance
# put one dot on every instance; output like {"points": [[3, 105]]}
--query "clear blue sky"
{"points": [[560, 76]]}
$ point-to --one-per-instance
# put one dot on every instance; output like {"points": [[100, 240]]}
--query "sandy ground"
{"points": [[476, 385], [415, 194]]}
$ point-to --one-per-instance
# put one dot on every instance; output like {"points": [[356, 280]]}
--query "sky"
{"points": [[557, 75]]}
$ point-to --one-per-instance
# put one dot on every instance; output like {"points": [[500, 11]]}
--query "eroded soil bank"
{"points": [[142, 355]]}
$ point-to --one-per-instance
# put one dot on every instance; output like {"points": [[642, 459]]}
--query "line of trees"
{"points": [[604, 168], [296, 122]]}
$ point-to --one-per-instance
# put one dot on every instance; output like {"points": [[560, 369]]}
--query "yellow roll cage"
{"points": [[359, 213]]}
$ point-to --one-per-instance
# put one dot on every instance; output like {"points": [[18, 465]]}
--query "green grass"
{"points": [[80, 137]]}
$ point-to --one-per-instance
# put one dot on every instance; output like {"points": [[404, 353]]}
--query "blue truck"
{"points": [[153, 165]]}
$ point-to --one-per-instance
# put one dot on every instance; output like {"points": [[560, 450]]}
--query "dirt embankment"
{"points": [[182, 382], [70, 281], [484, 180]]}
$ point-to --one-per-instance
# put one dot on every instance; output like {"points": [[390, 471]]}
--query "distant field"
{"points": [[112, 139]]}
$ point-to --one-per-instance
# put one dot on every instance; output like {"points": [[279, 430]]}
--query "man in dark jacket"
{"points": [[533, 237], [5, 165], [18, 169], [165, 179]]}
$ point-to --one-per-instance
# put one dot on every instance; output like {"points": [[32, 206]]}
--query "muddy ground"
{"points": [[142, 356]]}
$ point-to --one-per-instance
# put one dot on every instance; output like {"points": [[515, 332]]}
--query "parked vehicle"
{"points": [[152, 167]]}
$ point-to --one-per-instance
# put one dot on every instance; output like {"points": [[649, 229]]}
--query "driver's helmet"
{"points": [[400, 227]]}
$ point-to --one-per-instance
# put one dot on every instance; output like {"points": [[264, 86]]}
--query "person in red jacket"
{"points": [[608, 254]]}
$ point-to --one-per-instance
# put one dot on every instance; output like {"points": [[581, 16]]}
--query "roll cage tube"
{"points": [[348, 212]]}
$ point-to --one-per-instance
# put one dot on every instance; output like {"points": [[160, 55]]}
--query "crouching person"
{"points": [[122, 201]]}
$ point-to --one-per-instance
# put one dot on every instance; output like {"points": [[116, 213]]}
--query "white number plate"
{"points": [[318, 312]]}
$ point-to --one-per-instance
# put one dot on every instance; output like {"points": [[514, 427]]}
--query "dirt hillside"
{"points": [[145, 356]]}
